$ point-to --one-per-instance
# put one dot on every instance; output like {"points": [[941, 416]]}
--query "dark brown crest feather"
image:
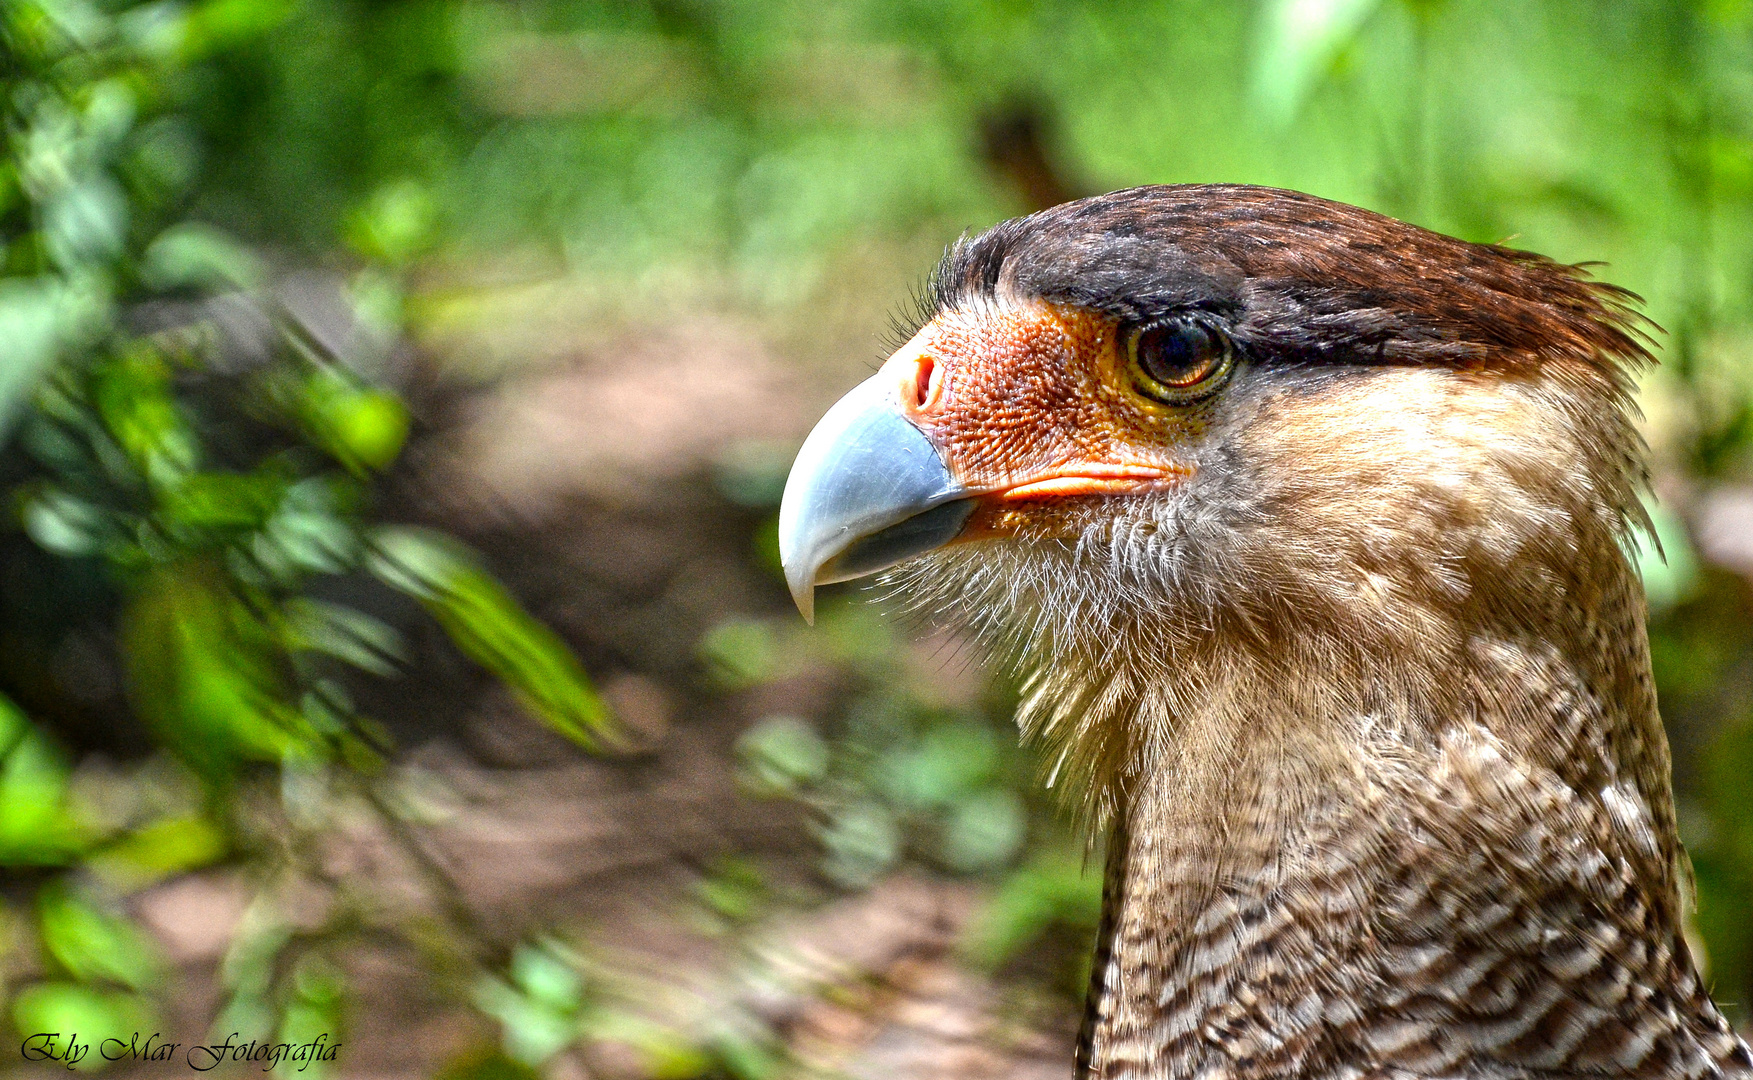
{"points": [[1303, 278]]}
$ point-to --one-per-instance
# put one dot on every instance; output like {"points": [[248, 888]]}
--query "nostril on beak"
{"points": [[923, 389]]}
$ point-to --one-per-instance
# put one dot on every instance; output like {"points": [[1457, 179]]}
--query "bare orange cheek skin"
{"points": [[1030, 406]]}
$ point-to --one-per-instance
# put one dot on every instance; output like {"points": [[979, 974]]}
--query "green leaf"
{"points": [[361, 426], [133, 395], [312, 1020], [83, 25], [195, 256], [741, 652], [308, 533], [491, 628], [31, 324], [86, 223], [14, 725], [154, 29], [745, 1057], [547, 978], [223, 501], [63, 524], [37, 827], [203, 672], [1054, 887], [250, 963], [952, 759], [161, 849], [108, 114], [70, 1008], [1298, 40], [93, 944], [344, 633], [985, 830], [664, 1053], [396, 224], [379, 299], [534, 1030], [781, 753], [734, 888], [863, 840], [215, 25]]}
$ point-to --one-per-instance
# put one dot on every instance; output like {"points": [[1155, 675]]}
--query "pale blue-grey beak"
{"points": [[867, 491]]}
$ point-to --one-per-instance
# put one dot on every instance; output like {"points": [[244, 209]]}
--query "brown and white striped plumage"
{"points": [[1363, 695]]}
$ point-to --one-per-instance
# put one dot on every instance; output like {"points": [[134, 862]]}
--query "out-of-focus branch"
{"points": [[1018, 142]]}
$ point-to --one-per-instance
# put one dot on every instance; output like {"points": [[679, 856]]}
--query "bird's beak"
{"points": [[868, 490]]}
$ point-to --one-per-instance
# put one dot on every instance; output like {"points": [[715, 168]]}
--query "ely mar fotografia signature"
{"points": [[73, 1052]]}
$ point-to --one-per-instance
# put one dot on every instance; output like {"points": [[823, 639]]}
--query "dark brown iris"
{"points": [[1178, 361]]}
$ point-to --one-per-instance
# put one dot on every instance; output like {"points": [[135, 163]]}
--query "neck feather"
{"points": [[1440, 861], [1365, 706]]}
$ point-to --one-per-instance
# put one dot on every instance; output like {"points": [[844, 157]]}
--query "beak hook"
{"points": [[868, 490]]}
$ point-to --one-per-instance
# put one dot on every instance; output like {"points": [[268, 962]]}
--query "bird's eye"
{"points": [[1178, 361]]}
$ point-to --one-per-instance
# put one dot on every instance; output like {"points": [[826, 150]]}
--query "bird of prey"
{"points": [[1307, 530]]}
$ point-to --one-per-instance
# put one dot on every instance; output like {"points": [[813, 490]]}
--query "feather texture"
{"points": [[1364, 704]]}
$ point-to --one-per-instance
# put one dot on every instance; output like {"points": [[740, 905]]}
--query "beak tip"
{"points": [[800, 570], [804, 596]]}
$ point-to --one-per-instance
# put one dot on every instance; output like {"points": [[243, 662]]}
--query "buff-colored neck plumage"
{"points": [[1366, 709]]}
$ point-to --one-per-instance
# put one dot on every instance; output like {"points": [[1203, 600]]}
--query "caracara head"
{"points": [[1173, 444]]}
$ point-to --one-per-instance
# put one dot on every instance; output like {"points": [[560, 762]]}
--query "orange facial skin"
{"points": [[1032, 405]]}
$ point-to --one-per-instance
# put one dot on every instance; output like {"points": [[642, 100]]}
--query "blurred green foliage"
{"points": [[901, 777], [538, 1003], [754, 141], [460, 164], [199, 488]]}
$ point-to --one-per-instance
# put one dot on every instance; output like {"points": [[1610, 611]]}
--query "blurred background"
{"points": [[396, 399]]}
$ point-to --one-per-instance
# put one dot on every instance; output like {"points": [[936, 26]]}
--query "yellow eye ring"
{"points": [[1178, 361]]}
